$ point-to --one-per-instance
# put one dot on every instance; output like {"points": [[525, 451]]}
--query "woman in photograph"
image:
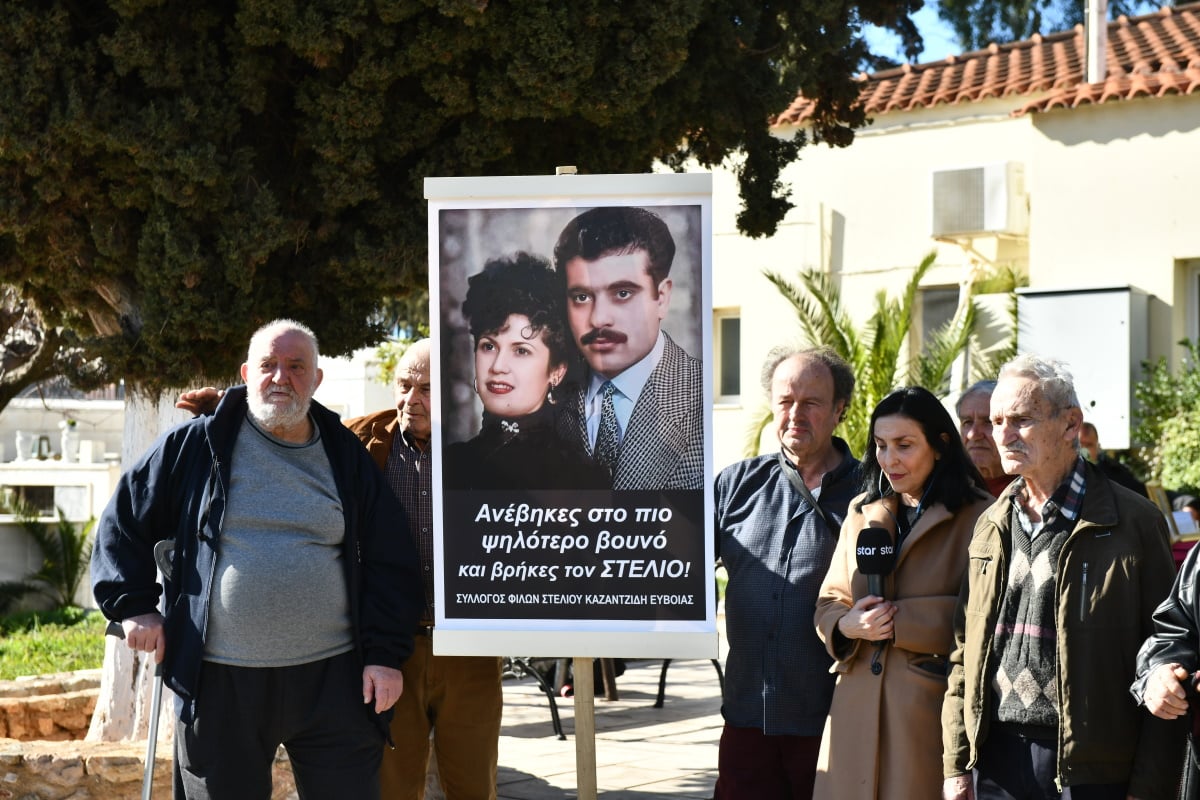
{"points": [[883, 732], [515, 311]]}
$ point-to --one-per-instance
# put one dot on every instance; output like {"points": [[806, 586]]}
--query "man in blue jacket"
{"points": [[295, 588], [778, 517]]}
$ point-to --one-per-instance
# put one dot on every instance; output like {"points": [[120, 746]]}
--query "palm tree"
{"points": [[876, 353], [66, 553]]}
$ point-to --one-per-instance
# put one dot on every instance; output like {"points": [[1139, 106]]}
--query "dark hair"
{"points": [[616, 230], [842, 373], [518, 284], [954, 479]]}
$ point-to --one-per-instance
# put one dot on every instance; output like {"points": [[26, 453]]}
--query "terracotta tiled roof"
{"points": [[1147, 56]]}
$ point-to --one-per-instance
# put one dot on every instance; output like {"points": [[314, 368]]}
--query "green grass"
{"points": [[41, 642]]}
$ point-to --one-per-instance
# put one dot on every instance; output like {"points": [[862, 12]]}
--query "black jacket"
{"points": [[177, 490], [524, 453], [1176, 639]]}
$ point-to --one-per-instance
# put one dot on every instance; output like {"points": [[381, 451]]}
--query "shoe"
{"points": [[567, 690]]}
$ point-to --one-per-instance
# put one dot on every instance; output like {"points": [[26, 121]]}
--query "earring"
{"points": [[550, 392], [474, 387]]}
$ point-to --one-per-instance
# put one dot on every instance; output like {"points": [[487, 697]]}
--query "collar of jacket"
{"points": [[882, 513], [1099, 503], [388, 427], [848, 464]]}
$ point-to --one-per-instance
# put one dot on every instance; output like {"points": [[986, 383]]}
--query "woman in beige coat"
{"points": [[882, 737]]}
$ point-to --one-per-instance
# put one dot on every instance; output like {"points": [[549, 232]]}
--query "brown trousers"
{"points": [[460, 699]]}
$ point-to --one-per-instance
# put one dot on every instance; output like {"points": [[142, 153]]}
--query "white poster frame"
{"points": [[695, 638]]}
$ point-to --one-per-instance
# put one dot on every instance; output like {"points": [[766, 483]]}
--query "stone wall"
{"points": [[43, 756], [43, 720], [95, 771], [49, 708], [78, 771]]}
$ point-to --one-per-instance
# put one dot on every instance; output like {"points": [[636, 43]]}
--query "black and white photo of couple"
{"points": [[569, 348]]}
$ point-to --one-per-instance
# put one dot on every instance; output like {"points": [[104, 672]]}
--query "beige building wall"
{"points": [[863, 214], [878, 194], [1115, 205], [1111, 193], [766, 318]]}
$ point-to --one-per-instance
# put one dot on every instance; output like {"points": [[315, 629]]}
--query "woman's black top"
{"points": [[521, 453]]}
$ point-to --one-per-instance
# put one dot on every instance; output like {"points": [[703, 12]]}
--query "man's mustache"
{"points": [[603, 335]]}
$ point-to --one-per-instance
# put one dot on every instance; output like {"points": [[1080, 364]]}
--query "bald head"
{"points": [[412, 392], [275, 328], [806, 406], [416, 357]]}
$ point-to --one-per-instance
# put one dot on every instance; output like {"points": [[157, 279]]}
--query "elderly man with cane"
{"points": [[293, 601]]}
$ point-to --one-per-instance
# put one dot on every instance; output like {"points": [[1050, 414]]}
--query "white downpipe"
{"points": [[1096, 31]]}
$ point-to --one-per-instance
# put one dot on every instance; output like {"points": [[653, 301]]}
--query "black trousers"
{"points": [[1013, 767], [314, 710]]}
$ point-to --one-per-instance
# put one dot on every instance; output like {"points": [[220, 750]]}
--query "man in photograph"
{"points": [[640, 408]]}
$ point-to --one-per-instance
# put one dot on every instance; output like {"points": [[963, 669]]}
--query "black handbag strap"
{"points": [[793, 476]]}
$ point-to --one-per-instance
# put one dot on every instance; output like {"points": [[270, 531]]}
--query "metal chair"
{"points": [[662, 680], [520, 667]]}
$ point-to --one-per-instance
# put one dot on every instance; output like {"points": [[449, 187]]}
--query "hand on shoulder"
{"points": [[200, 401]]}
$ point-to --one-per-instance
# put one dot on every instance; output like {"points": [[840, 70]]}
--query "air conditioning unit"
{"points": [[987, 199]]}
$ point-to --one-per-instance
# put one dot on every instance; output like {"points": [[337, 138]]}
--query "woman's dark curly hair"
{"points": [[519, 284], [954, 480]]}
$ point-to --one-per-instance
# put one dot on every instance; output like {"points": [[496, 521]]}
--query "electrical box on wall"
{"points": [[1103, 336], [985, 199]]}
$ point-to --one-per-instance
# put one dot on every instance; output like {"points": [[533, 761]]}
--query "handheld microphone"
{"points": [[876, 557]]}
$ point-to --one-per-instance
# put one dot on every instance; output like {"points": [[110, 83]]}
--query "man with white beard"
{"points": [[294, 600]]}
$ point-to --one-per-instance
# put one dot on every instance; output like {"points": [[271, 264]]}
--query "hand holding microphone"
{"points": [[871, 616], [876, 557]]}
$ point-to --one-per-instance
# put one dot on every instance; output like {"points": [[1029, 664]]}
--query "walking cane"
{"points": [[163, 552]]}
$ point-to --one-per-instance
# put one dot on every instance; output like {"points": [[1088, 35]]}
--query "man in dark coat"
{"points": [[293, 601]]}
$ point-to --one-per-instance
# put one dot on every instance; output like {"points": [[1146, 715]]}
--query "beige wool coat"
{"points": [[882, 738]]}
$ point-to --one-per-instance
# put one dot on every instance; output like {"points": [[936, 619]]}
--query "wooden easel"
{"points": [[585, 729]]}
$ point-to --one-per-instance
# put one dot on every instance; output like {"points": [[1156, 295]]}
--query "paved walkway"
{"points": [[642, 752]]}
